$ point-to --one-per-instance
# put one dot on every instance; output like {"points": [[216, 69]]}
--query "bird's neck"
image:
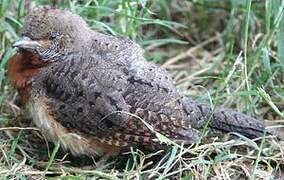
{"points": [[21, 68]]}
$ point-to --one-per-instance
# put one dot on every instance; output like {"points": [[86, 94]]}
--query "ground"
{"points": [[227, 53]]}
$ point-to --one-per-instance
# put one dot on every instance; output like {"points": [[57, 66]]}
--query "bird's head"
{"points": [[52, 33]]}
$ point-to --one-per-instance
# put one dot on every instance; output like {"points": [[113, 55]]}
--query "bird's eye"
{"points": [[53, 35]]}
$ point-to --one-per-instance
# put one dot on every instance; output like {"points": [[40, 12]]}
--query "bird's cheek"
{"points": [[50, 54], [45, 43]]}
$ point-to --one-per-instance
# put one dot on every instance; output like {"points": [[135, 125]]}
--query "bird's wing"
{"points": [[101, 99]]}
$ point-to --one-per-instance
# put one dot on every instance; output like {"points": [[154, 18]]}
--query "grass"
{"points": [[227, 53]]}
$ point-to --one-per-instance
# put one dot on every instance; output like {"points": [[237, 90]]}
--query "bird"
{"points": [[97, 95]]}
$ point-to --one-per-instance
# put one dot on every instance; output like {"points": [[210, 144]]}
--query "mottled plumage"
{"points": [[97, 98], [98, 89]]}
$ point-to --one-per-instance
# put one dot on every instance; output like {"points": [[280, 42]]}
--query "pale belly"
{"points": [[55, 132]]}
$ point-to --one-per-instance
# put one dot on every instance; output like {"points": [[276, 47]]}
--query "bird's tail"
{"points": [[223, 120]]}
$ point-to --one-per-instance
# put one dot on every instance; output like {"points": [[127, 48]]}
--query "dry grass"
{"points": [[230, 54]]}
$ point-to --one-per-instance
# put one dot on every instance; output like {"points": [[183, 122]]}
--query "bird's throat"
{"points": [[21, 68]]}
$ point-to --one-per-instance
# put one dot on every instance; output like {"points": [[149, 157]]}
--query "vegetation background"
{"points": [[228, 53]]}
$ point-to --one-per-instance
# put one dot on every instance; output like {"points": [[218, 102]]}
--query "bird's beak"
{"points": [[26, 43]]}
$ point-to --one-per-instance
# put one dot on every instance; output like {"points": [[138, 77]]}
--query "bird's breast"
{"points": [[21, 69]]}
